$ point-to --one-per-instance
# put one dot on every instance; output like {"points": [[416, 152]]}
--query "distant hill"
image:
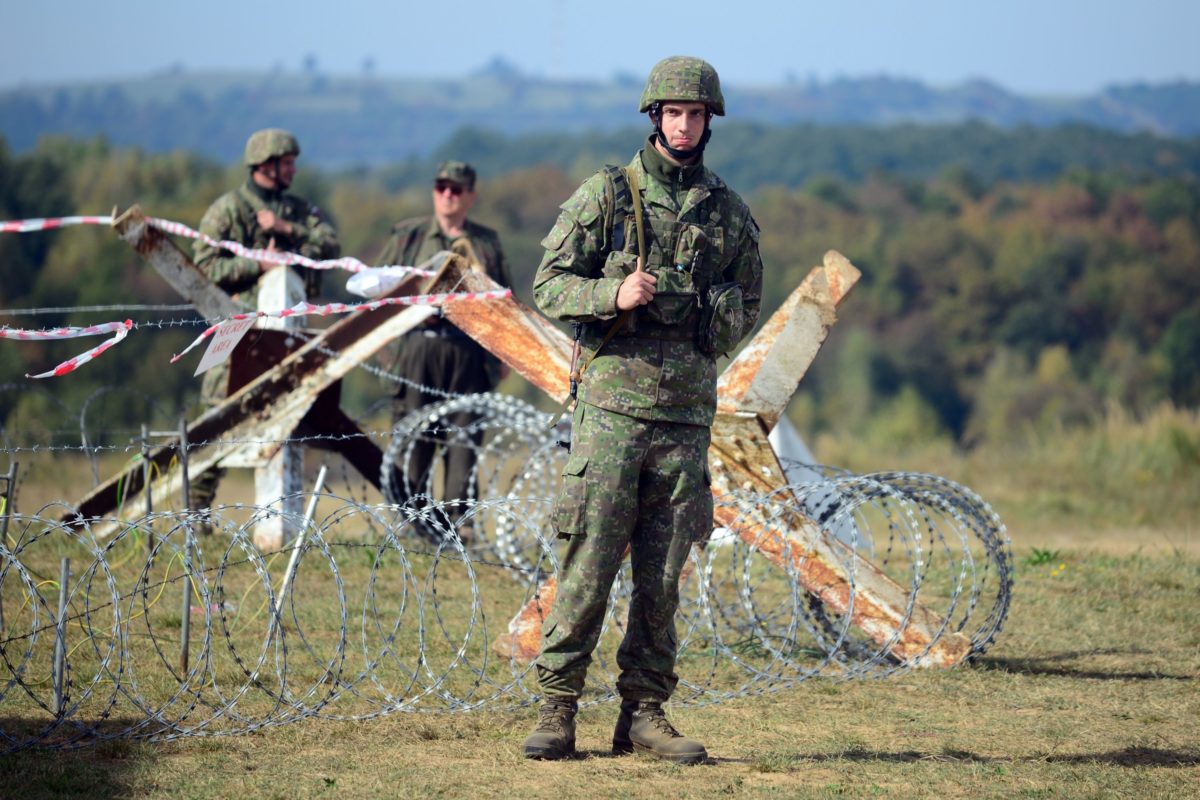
{"points": [[346, 121]]}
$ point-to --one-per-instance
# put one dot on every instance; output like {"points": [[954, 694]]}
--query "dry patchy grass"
{"points": [[1091, 691]]}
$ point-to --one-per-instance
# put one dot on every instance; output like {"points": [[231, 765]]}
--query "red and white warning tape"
{"points": [[348, 263], [71, 364], [305, 309], [50, 223], [302, 309]]}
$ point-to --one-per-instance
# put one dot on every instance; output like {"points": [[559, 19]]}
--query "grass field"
{"points": [[1091, 690]]}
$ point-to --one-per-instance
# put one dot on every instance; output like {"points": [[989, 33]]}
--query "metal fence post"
{"points": [[60, 636], [9, 480], [185, 623]]}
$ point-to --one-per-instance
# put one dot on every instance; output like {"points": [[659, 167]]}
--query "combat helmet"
{"points": [[270, 143], [683, 78]]}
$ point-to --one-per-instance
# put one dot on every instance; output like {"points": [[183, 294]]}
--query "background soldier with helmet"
{"points": [[656, 300], [258, 214], [262, 214]]}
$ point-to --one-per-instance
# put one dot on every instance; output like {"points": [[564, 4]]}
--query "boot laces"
{"points": [[655, 716], [553, 718]]}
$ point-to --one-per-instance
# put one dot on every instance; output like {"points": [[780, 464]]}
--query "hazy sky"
{"points": [[1030, 46]]}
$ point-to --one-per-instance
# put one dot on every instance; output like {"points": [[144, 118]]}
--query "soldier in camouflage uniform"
{"points": [[438, 355], [637, 477], [259, 214]]}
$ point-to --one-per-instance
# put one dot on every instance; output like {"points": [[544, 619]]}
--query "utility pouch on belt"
{"points": [[722, 319]]}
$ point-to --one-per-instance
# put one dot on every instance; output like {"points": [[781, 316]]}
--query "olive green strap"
{"points": [[636, 195]]}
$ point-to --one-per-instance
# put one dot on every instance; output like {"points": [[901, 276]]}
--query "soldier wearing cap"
{"points": [[655, 303], [259, 214], [438, 355]]}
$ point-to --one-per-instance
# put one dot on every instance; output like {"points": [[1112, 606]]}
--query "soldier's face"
{"points": [[451, 199], [683, 124], [279, 171]]}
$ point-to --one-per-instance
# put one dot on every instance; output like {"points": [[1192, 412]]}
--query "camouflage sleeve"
{"points": [[747, 269], [318, 238], [569, 284], [232, 273]]}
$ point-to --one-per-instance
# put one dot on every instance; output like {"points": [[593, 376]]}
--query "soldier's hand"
{"points": [[636, 290], [267, 266], [268, 221]]}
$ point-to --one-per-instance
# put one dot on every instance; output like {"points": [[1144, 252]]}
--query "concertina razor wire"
{"points": [[378, 608]]}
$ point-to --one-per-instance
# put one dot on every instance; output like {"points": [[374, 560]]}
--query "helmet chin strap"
{"points": [[680, 155]]}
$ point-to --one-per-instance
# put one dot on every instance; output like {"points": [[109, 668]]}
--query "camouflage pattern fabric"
{"points": [[628, 483], [683, 78], [459, 172], [233, 217], [269, 143], [699, 233], [638, 475]]}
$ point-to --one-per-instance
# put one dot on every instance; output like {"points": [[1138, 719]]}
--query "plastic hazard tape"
{"points": [[373, 275], [347, 263], [305, 309], [70, 365]]}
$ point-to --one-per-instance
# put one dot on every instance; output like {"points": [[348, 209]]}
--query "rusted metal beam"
{"points": [[741, 458], [752, 395], [520, 337], [175, 267], [250, 425], [764, 376]]}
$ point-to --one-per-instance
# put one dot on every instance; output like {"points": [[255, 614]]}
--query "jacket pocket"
{"points": [[723, 320]]}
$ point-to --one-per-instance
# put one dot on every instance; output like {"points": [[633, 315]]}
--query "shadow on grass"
{"points": [[1127, 757], [78, 768], [1045, 665]]}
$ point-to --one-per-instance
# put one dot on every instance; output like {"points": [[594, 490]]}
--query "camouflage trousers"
{"points": [[629, 485]]}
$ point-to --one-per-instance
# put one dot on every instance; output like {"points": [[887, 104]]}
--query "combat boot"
{"points": [[554, 736], [642, 726]]}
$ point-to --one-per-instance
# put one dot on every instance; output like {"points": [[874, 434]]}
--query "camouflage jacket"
{"points": [[699, 233], [417, 239], [233, 217]]}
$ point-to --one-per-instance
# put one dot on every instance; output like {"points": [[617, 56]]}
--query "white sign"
{"points": [[223, 341]]}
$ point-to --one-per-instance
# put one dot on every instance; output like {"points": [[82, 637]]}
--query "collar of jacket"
{"points": [[266, 195], [435, 229], [666, 171]]}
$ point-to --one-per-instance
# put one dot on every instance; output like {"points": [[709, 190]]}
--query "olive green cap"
{"points": [[684, 78], [270, 143], [459, 172]]}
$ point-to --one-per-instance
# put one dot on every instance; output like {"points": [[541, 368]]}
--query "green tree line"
{"points": [[988, 304]]}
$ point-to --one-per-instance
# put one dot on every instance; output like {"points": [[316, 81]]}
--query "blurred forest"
{"points": [[1011, 283]]}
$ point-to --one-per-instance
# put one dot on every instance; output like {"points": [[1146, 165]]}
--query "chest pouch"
{"points": [[681, 253], [722, 319]]}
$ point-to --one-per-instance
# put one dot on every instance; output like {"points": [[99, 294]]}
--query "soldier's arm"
{"points": [[569, 285], [746, 267], [232, 273], [317, 237]]}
